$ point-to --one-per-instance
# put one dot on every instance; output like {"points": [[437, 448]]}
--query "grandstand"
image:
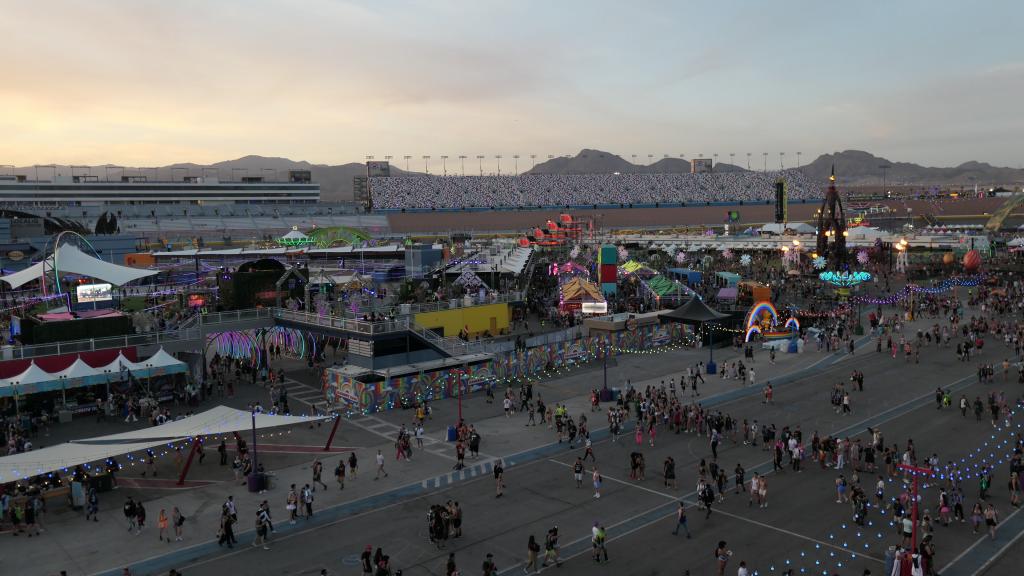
{"points": [[582, 190]]}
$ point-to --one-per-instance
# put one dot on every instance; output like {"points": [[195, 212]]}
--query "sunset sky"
{"points": [[155, 82]]}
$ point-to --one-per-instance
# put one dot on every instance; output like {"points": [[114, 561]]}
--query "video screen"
{"points": [[93, 292]]}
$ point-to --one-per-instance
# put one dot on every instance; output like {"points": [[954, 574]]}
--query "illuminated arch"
{"points": [[750, 333], [755, 313], [793, 323]]}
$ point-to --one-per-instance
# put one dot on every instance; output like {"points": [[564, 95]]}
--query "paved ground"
{"points": [[802, 525]]}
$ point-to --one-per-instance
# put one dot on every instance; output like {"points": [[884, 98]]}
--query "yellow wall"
{"points": [[477, 318]]}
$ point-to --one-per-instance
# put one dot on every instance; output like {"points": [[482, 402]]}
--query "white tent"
{"points": [[1016, 242], [115, 365], [78, 369], [32, 375], [219, 420], [797, 227], [295, 236], [69, 259], [66, 457], [866, 233], [161, 360]]}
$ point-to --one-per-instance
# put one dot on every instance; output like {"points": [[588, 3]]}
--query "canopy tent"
{"points": [[727, 294], [663, 287], [1016, 242], [638, 268], [692, 276], [219, 420], [34, 379], [694, 311], [728, 278], [68, 258], [65, 457], [577, 291], [865, 233]]}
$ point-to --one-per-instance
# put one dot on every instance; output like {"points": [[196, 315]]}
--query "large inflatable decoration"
{"points": [[763, 319]]}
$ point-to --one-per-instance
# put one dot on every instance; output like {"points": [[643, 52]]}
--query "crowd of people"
{"points": [[448, 192]]}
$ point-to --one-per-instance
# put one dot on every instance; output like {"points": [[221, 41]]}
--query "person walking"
{"points": [[178, 520], [681, 520], [597, 540], [722, 555], [307, 500], [352, 462], [991, 519], [161, 523], [92, 506], [129, 513], [577, 472], [499, 478], [339, 474], [318, 470], [292, 505], [262, 528], [596, 476], [551, 548], [532, 549], [380, 465], [226, 533]]}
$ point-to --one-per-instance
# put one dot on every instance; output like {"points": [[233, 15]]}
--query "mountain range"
{"points": [[853, 168]]}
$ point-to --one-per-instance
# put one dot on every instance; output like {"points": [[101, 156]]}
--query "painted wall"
{"points": [[477, 318], [355, 397]]}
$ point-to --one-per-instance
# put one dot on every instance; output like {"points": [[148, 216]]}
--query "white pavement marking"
{"points": [[675, 498], [982, 539]]}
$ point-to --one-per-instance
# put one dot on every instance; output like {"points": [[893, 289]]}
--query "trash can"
{"points": [[712, 368], [606, 395], [452, 435], [256, 482]]}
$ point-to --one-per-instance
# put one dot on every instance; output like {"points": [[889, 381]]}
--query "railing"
{"points": [[399, 324], [453, 346], [237, 316], [442, 305], [94, 344]]}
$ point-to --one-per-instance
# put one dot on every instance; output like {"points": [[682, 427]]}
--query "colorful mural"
{"points": [[354, 396]]}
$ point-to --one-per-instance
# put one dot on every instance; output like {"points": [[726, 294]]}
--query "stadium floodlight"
{"points": [[748, 160], [798, 159], [634, 158], [462, 159], [370, 157], [498, 158], [407, 156], [426, 163], [765, 161], [533, 161], [650, 158], [480, 157], [515, 164], [732, 158], [781, 156], [444, 164]]}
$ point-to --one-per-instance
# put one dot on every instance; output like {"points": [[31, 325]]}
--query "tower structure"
{"points": [[832, 226]]}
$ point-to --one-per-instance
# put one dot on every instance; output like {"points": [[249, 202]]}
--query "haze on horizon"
{"points": [[149, 83]]}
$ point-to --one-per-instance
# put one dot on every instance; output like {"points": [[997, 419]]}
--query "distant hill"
{"points": [[856, 167], [853, 168]]}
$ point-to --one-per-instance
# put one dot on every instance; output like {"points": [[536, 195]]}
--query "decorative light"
{"points": [[819, 263], [844, 279]]}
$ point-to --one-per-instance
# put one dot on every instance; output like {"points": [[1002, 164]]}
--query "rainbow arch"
{"points": [[793, 323], [755, 313]]}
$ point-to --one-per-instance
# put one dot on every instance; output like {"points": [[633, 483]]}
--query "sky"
{"points": [[147, 83]]}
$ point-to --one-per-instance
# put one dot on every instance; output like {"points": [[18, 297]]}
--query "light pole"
{"points": [[765, 161], [634, 159], [462, 160], [650, 159], [533, 161], [498, 158], [407, 156], [748, 160], [515, 164], [480, 157], [714, 164], [388, 158], [732, 158], [884, 168], [444, 165], [798, 159], [781, 156], [426, 163], [916, 471]]}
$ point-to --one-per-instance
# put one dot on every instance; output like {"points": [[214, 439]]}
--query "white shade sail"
{"points": [[69, 259], [66, 456]]}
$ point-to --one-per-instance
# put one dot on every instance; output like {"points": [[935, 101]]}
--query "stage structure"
{"points": [[832, 227]]}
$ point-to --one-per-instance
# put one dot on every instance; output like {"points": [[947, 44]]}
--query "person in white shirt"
{"points": [[743, 569]]}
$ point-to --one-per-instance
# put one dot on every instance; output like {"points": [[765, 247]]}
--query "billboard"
{"points": [[700, 166], [93, 292]]}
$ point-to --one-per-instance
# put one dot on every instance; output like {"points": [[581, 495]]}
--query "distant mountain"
{"points": [[600, 162], [853, 168], [856, 167]]}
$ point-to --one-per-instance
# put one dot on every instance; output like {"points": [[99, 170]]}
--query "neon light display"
{"points": [[844, 279]]}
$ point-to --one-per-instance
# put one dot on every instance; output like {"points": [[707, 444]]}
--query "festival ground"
{"points": [[802, 524]]}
